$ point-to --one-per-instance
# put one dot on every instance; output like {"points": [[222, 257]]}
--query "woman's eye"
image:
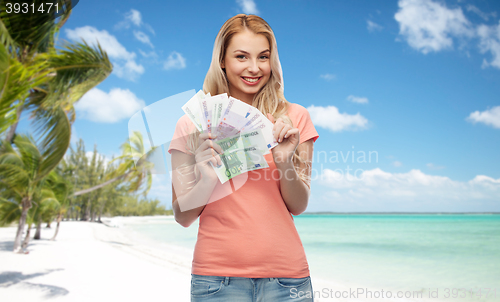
{"points": [[264, 57], [241, 57]]}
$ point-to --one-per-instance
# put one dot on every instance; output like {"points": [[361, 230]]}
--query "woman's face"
{"points": [[247, 64]]}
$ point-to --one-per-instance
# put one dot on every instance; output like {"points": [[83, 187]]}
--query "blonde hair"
{"points": [[270, 98]]}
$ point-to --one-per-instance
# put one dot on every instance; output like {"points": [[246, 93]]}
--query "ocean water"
{"points": [[456, 257]]}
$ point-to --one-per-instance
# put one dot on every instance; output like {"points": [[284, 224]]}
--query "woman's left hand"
{"points": [[288, 139]]}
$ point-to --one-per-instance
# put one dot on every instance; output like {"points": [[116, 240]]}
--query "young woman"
{"points": [[248, 248]]}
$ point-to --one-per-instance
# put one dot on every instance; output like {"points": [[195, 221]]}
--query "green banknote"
{"points": [[242, 153]]}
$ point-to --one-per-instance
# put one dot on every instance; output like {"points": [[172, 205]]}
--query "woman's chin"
{"points": [[251, 89]]}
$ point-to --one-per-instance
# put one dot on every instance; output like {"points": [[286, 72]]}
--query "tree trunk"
{"points": [[38, 232], [101, 185], [26, 205], [59, 218], [92, 216], [48, 224], [86, 214], [100, 210], [88, 209], [27, 238]]}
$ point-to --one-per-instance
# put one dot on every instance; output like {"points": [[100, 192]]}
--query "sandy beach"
{"points": [[89, 262], [96, 262]]}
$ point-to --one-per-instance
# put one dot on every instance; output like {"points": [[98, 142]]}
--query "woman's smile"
{"points": [[251, 80]]}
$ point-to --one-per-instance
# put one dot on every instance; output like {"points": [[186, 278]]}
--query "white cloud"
{"points": [[357, 99], [485, 181], [328, 76], [130, 70], [397, 164], [434, 167], [175, 61], [107, 41], [430, 26], [151, 30], [134, 16], [151, 54], [99, 106], [477, 11], [248, 6], [330, 118], [372, 26], [375, 189], [490, 117], [489, 37], [123, 61], [139, 35]]}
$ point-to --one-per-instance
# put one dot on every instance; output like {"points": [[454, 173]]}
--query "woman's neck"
{"points": [[246, 98]]}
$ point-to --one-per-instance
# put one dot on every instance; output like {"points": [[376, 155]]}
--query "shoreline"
{"points": [[94, 261]]}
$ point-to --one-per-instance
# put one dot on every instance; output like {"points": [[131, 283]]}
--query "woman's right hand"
{"points": [[208, 152]]}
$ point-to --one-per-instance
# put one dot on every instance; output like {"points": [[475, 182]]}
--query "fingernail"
{"points": [[219, 166]]}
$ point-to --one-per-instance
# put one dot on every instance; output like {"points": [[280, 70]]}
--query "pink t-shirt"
{"points": [[249, 232]]}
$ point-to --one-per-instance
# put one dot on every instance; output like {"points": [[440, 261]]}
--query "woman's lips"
{"points": [[251, 83]]}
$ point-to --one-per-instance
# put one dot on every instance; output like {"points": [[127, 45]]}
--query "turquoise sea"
{"points": [[453, 255]]}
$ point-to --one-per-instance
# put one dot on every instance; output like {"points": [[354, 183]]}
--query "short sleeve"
{"points": [[302, 120], [179, 141]]}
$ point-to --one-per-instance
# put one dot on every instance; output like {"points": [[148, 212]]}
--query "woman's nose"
{"points": [[253, 66]]}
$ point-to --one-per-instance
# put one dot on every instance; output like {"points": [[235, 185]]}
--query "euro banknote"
{"points": [[194, 111], [242, 153]]}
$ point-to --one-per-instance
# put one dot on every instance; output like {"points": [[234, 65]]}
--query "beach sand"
{"points": [[89, 262], [95, 262]]}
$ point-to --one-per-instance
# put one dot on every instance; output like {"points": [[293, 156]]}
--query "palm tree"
{"points": [[52, 201], [61, 188], [36, 76], [45, 203], [23, 171], [135, 174]]}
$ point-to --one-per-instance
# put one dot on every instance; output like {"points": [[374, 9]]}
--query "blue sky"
{"points": [[416, 84]]}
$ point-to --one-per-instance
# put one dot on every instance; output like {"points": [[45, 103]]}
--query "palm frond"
{"points": [[6, 40], [65, 12], [20, 80], [8, 155], [14, 176], [33, 32], [4, 68], [30, 154], [47, 199], [54, 129], [9, 211], [78, 68]]}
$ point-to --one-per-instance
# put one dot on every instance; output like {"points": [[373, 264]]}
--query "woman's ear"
{"points": [[222, 64]]}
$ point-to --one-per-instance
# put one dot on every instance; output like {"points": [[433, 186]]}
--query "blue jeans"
{"points": [[239, 289]]}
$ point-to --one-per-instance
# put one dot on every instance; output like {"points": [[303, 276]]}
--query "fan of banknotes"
{"points": [[242, 131]]}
